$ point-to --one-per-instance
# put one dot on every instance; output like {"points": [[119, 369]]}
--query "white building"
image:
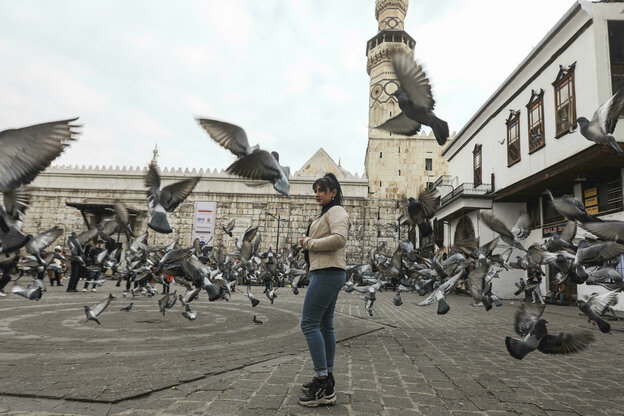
{"points": [[523, 140]]}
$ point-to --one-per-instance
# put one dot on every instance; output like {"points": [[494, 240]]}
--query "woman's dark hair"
{"points": [[327, 183]]}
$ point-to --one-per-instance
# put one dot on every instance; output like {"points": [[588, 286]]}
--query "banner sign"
{"points": [[204, 218], [552, 230]]}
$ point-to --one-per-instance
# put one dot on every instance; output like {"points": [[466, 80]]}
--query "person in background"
{"points": [[562, 293]]}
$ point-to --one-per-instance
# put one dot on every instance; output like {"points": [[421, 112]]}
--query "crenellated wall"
{"points": [[371, 220]]}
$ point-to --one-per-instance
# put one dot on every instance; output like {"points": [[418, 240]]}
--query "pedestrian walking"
{"points": [[324, 247]]}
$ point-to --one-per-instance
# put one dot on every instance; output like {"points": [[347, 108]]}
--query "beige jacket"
{"points": [[327, 240]]}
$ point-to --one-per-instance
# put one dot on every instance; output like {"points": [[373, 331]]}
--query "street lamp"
{"points": [[279, 220]]}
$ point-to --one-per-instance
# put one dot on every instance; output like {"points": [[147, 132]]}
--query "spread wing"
{"points": [[495, 224], [227, 135], [526, 318], [172, 195], [413, 81], [250, 234], [260, 164], [569, 232], [29, 150], [230, 225], [400, 124], [152, 177], [608, 230], [608, 113], [522, 228], [88, 235], [17, 200], [45, 239], [101, 306], [565, 343], [428, 202], [599, 303]]}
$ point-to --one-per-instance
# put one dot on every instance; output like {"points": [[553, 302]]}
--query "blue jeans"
{"points": [[317, 317]]}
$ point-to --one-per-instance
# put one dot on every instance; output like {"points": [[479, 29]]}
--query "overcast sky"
{"points": [[292, 73]]}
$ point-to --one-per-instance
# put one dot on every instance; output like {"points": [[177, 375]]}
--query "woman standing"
{"points": [[324, 248]]}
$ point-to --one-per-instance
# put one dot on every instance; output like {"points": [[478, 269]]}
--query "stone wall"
{"points": [[372, 220]]}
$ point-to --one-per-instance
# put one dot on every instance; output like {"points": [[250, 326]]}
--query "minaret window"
{"points": [[428, 164], [513, 138], [565, 101], [380, 155]]}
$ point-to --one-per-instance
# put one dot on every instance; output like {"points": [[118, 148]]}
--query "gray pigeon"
{"points": [[16, 201], [419, 211], [189, 314], [229, 227], [95, 311], [528, 323], [33, 291], [439, 293], [127, 308], [596, 305], [571, 208], [167, 302], [257, 321], [519, 231], [252, 298], [602, 125], [167, 199], [251, 162], [415, 100], [397, 299]]}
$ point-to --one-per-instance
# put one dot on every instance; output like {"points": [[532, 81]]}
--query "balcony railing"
{"points": [[444, 180], [467, 189]]}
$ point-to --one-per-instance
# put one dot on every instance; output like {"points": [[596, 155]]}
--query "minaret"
{"points": [[395, 164]]}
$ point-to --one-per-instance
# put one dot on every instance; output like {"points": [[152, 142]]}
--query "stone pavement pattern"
{"points": [[403, 361]]}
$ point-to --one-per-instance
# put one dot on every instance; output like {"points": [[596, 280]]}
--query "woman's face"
{"points": [[324, 197]]}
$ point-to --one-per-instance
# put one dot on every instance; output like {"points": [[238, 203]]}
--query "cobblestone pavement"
{"points": [[402, 361]]}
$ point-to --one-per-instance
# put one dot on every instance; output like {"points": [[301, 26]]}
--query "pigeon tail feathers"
{"points": [[443, 307], [517, 349], [159, 223]]}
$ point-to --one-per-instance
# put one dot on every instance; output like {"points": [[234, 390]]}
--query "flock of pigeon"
{"points": [[30, 150]]}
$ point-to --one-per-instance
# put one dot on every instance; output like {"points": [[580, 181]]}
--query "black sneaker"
{"points": [[307, 385], [320, 392]]}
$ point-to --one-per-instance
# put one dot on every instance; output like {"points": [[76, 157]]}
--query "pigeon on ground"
{"points": [[596, 305], [251, 162], [127, 308], [257, 321], [397, 299], [529, 324], [167, 199], [602, 125], [29, 150], [33, 291], [415, 101], [95, 311]]}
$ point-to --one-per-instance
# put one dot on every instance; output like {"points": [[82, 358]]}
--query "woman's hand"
{"points": [[301, 241]]}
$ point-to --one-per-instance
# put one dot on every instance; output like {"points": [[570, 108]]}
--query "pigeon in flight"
{"points": [[16, 201], [33, 291], [600, 128], [531, 327], [419, 211], [251, 162], [167, 302], [571, 208], [127, 308], [252, 298], [520, 230], [596, 305], [167, 199], [415, 100], [95, 311], [229, 227], [29, 150]]}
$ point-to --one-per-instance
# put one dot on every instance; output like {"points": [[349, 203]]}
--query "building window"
{"points": [[513, 137], [399, 149], [616, 54], [380, 155], [380, 183], [565, 103], [428, 164], [476, 153], [399, 172], [535, 116]]}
